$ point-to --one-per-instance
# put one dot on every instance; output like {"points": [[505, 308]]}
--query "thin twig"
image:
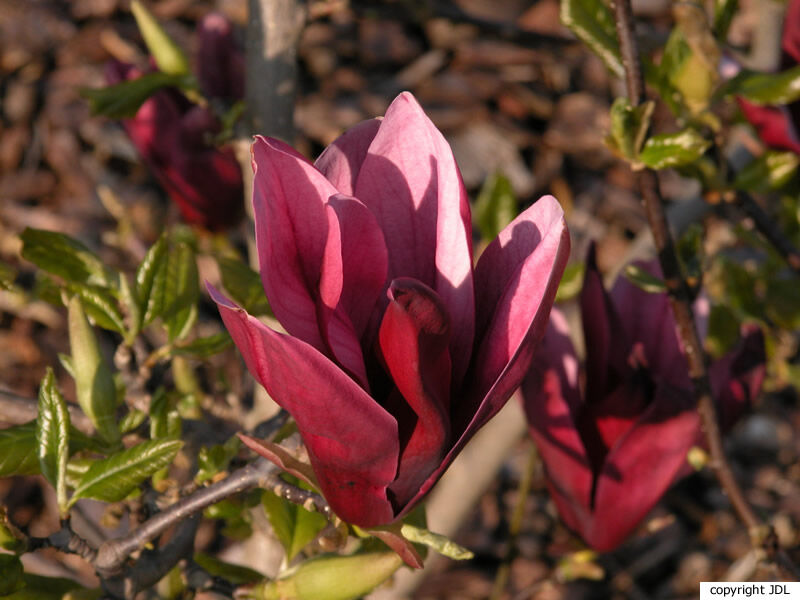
{"points": [[64, 540], [679, 295], [113, 554]]}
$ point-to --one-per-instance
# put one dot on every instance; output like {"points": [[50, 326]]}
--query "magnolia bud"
{"points": [[330, 577]]}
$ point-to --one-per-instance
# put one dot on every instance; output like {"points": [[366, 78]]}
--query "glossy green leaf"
{"points": [[18, 454], [697, 75], [100, 306], [18, 448], [495, 207], [571, 283], [203, 347], [132, 420], [7, 276], [181, 289], [236, 574], [629, 125], [64, 256], [644, 280], [212, 460], [130, 301], [150, 278], [770, 171], [243, 285], [52, 437], [593, 22], [673, 149], [11, 572], [765, 88], [294, 526], [436, 541], [123, 100], [165, 422], [94, 383], [167, 55], [11, 538], [113, 478]]}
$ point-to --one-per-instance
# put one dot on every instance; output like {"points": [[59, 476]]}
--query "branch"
{"points": [[273, 32], [155, 564], [113, 554], [64, 540], [680, 300]]}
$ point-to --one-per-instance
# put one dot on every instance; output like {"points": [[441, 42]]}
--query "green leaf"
{"points": [[770, 171], [495, 207], [723, 330], [7, 276], [130, 301], [236, 574], [113, 478], [724, 11], [644, 280], [132, 420], [38, 587], [765, 88], [212, 460], [167, 284], [436, 541], [167, 55], [94, 383], [150, 278], [123, 100], [243, 285], [66, 257], [593, 22], [697, 76], [11, 538], [100, 306], [52, 437], [18, 448], [18, 454], [165, 422], [673, 149], [629, 125], [571, 282], [294, 526], [11, 572], [203, 347]]}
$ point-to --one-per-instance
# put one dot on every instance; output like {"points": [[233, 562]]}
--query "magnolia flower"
{"points": [[174, 136], [398, 350], [613, 446], [779, 126]]}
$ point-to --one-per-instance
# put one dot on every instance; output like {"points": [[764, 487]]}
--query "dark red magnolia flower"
{"points": [[779, 126], [397, 351], [613, 446], [174, 136]]}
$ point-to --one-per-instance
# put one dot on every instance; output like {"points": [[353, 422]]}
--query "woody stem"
{"points": [[679, 296]]}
